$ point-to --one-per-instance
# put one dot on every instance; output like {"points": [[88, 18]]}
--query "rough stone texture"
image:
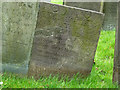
{"points": [[18, 25], [96, 6], [65, 40], [109, 8], [116, 68], [110, 19]]}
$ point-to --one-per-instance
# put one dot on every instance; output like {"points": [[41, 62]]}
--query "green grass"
{"points": [[100, 77], [57, 2]]}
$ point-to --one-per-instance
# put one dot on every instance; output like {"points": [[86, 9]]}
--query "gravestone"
{"points": [[65, 40], [18, 25], [110, 19], [109, 8], [116, 68]]}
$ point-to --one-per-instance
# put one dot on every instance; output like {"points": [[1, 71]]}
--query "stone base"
{"points": [[37, 70], [14, 68]]}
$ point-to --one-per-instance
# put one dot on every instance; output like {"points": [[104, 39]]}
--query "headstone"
{"points": [[108, 8], [18, 25], [116, 69], [65, 40], [110, 19]]}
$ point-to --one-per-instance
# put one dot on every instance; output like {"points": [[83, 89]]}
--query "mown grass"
{"points": [[100, 77]]}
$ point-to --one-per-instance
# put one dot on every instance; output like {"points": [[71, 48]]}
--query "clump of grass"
{"points": [[100, 77]]}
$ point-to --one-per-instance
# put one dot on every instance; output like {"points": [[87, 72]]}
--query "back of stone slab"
{"points": [[65, 40]]}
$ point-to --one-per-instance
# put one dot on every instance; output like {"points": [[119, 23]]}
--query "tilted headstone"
{"points": [[109, 8], [116, 68], [65, 40], [18, 25]]}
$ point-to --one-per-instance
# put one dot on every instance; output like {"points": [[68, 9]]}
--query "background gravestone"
{"points": [[65, 40], [18, 25], [116, 69], [96, 6], [110, 19], [109, 8]]}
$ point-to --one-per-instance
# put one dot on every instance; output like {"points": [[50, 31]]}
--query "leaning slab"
{"points": [[65, 40], [18, 25]]}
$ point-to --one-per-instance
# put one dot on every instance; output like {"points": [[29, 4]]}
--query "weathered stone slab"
{"points": [[110, 19], [65, 40], [18, 25], [116, 68], [109, 8]]}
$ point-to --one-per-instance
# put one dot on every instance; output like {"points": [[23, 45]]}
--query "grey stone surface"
{"points": [[110, 19], [116, 68], [18, 25], [65, 40], [108, 8], [96, 6]]}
